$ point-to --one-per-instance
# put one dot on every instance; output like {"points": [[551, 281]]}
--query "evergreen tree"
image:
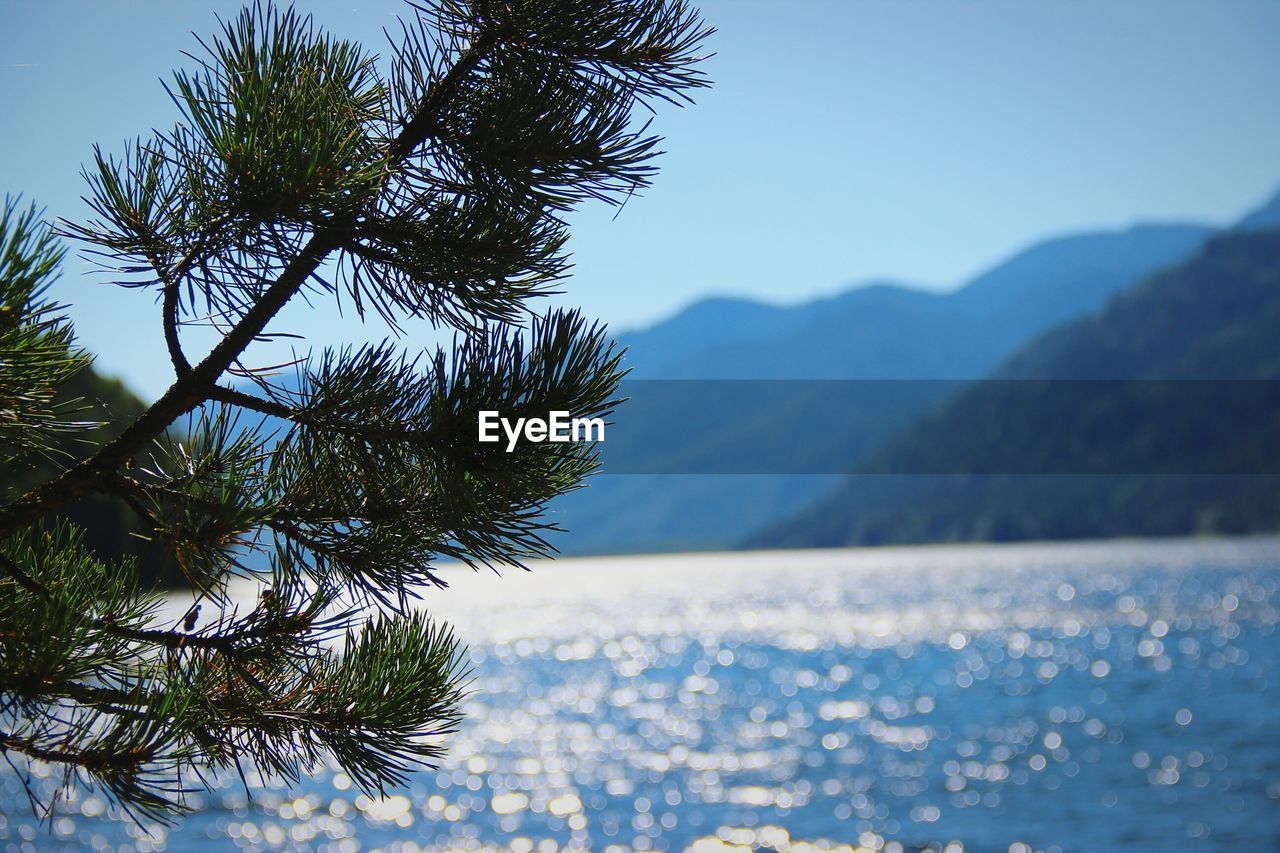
{"points": [[433, 188]]}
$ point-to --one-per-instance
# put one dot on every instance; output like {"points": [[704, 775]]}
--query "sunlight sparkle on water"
{"points": [[959, 698]]}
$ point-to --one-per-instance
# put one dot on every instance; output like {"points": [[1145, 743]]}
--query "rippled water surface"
{"points": [[1077, 697]]}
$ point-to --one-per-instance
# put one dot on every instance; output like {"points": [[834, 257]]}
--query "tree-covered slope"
{"points": [[1264, 218], [111, 528], [1215, 319]]}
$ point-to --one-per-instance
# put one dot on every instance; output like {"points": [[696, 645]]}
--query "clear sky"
{"points": [[916, 140]]}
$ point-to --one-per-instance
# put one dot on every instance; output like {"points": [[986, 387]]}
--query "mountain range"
{"points": [[1159, 415], [1008, 316], [892, 331]]}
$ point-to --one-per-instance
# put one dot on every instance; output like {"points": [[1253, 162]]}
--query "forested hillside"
{"points": [[111, 527], [1124, 448]]}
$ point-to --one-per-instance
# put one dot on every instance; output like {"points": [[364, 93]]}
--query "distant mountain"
{"points": [[1214, 318], [879, 331], [1264, 218], [887, 331], [706, 324]]}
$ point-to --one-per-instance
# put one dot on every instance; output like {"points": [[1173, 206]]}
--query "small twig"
{"points": [[24, 580]]}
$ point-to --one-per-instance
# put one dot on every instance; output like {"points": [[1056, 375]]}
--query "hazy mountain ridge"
{"points": [[891, 331], [1266, 217], [880, 331], [1216, 317]]}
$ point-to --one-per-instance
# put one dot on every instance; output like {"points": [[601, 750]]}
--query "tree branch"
{"points": [[194, 387], [424, 121], [181, 367], [223, 642], [261, 405], [122, 703], [275, 409], [185, 394], [94, 760], [169, 639], [24, 580]]}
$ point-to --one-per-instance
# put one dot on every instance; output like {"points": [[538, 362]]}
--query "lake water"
{"points": [[1094, 696]]}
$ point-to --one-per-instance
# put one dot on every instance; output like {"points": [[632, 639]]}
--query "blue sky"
{"points": [[915, 140]]}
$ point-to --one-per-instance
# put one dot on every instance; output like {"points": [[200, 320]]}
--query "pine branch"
{"points": [[426, 118], [24, 580], [98, 760], [442, 195], [181, 367], [194, 387], [261, 405]]}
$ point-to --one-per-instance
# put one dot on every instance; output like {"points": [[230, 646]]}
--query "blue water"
{"points": [[1094, 696]]}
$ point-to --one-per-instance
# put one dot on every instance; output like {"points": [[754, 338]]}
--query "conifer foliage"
{"points": [[429, 183]]}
